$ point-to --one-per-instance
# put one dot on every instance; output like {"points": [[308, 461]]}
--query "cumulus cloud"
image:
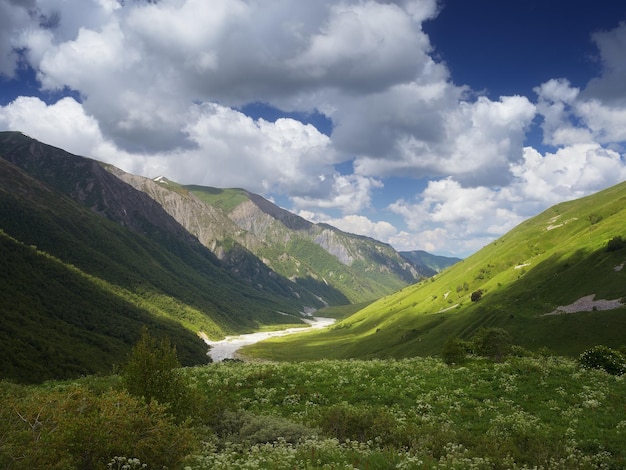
{"points": [[359, 224], [348, 193], [448, 217], [430, 130], [231, 149], [64, 124], [159, 89], [14, 17], [610, 87]]}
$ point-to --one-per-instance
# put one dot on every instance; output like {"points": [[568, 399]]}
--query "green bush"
{"points": [[344, 421], [73, 427], [153, 373], [603, 358], [494, 343], [455, 351], [615, 243], [250, 429], [476, 295]]}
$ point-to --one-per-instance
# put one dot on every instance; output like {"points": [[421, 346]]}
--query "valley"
{"points": [[510, 358]]}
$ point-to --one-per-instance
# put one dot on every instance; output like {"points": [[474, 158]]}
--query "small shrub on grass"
{"points": [[615, 243], [250, 429], [494, 343], [476, 295], [455, 351], [603, 358], [344, 421]]}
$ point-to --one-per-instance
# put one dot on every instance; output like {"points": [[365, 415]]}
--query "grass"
{"points": [[226, 199]]}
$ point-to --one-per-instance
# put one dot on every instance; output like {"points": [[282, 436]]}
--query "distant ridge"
{"points": [[434, 263]]}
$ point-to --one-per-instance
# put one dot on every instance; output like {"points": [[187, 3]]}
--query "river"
{"points": [[226, 348]]}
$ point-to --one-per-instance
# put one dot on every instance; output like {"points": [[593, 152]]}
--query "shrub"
{"points": [[603, 358], [154, 373], [476, 295], [455, 351], [494, 343], [250, 429], [615, 243], [344, 421], [77, 428]]}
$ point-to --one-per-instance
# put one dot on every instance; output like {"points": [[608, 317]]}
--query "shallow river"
{"points": [[226, 348]]}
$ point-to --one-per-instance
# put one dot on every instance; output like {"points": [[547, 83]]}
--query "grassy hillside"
{"points": [[76, 286], [551, 260]]}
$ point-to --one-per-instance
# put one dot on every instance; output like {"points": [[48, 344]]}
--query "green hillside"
{"points": [[551, 260], [76, 287]]}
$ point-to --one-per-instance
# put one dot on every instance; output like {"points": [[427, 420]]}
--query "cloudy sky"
{"points": [[435, 125]]}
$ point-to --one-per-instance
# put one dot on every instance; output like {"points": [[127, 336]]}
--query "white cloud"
{"points": [[610, 87], [473, 141], [357, 224], [161, 84], [450, 218], [63, 124], [348, 193], [569, 173]]}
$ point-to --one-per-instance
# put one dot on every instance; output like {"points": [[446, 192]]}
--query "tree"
{"points": [[476, 295], [153, 372], [494, 343]]}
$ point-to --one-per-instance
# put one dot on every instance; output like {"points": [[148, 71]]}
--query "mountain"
{"points": [[88, 259], [91, 253], [322, 263], [431, 264], [556, 281]]}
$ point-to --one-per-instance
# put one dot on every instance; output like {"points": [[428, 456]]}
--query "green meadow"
{"points": [[526, 412]]}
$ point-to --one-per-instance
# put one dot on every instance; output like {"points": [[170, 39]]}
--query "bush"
{"points": [[250, 429], [77, 428], [455, 351], [603, 358], [476, 295], [344, 421], [615, 243], [154, 373], [494, 343]]}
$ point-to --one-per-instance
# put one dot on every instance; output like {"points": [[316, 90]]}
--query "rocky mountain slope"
{"points": [[319, 260], [431, 264]]}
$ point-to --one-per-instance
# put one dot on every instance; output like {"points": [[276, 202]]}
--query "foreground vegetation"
{"points": [[524, 412]]}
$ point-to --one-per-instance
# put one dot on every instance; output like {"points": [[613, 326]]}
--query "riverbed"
{"points": [[227, 348]]}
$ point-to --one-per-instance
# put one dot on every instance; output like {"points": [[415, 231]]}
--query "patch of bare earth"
{"points": [[587, 304]]}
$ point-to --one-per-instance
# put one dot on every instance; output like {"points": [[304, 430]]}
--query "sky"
{"points": [[432, 125]]}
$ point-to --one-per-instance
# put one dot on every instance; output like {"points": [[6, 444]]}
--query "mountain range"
{"points": [[91, 253], [555, 283]]}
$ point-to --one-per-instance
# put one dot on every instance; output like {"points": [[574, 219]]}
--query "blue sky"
{"points": [[424, 124]]}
